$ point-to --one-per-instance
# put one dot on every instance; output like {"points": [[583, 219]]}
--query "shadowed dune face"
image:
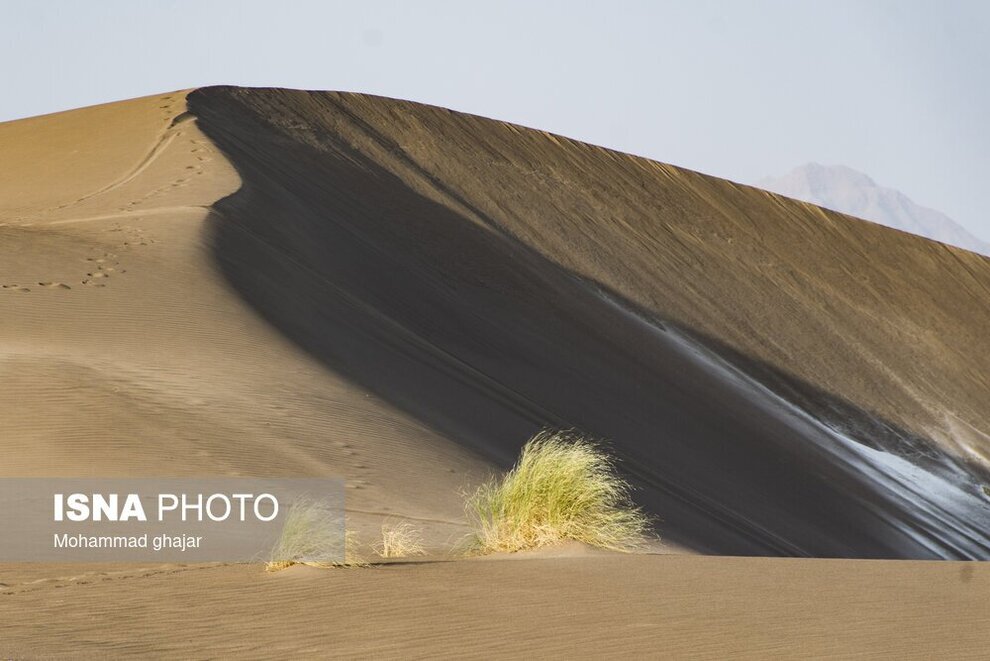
{"points": [[490, 280]]}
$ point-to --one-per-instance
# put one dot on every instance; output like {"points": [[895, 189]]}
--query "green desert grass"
{"points": [[399, 540], [564, 487], [311, 535]]}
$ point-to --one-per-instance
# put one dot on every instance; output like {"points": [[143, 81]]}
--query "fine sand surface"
{"points": [[571, 607], [278, 283]]}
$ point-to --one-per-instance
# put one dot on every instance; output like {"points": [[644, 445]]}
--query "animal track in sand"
{"points": [[179, 182], [157, 148], [135, 235], [175, 130], [95, 278]]}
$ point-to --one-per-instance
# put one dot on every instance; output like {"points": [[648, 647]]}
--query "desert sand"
{"points": [[574, 607], [270, 282]]}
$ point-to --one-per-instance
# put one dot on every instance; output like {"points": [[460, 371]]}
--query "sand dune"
{"points": [[149, 363], [270, 282], [278, 282], [488, 280]]}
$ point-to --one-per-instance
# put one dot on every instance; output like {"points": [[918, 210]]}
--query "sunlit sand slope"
{"points": [[123, 351]]}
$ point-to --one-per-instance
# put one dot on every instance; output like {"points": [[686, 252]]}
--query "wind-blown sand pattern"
{"points": [[269, 282]]}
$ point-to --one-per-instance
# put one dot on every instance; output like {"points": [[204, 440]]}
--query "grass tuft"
{"points": [[564, 487], [399, 540], [311, 535]]}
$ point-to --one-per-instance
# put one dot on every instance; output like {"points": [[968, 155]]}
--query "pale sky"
{"points": [[899, 90]]}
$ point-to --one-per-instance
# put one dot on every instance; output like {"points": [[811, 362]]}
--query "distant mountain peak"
{"points": [[849, 191], [834, 173]]}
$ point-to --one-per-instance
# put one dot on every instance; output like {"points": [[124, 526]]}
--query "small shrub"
{"points": [[399, 540], [311, 535], [564, 487]]}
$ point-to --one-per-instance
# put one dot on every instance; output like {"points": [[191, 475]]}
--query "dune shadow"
{"points": [[486, 341]]}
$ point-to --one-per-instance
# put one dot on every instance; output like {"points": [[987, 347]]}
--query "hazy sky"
{"points": [[899, 90]]}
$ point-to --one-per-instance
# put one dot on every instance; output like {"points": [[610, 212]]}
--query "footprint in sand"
{"points": [[54, 285]]}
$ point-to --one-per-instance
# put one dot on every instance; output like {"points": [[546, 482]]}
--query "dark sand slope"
{"points": [[780, 379]]}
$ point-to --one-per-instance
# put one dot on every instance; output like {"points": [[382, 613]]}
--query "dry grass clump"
{"points": [[313, 535], [399, 540], [564, 487]]}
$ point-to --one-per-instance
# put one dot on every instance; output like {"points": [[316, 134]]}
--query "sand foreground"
{"points": [[578, 607]]}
